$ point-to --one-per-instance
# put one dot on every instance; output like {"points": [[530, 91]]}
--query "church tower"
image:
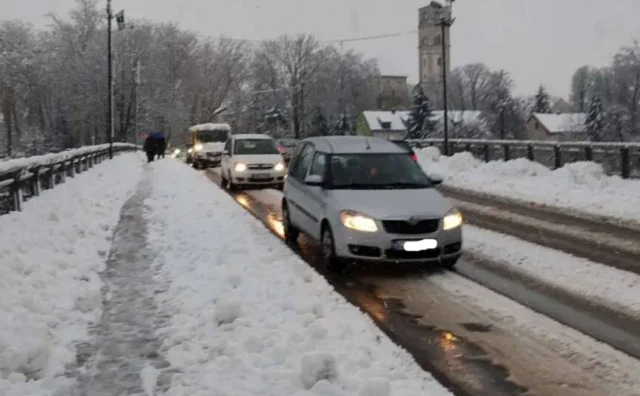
{"points": [[430, 41]]}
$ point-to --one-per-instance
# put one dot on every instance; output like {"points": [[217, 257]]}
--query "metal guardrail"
{"points": [[615, 157], [25, 178]]}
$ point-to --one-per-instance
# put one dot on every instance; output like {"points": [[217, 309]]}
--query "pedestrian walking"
{"points": [[150, 147], [162, 146]]}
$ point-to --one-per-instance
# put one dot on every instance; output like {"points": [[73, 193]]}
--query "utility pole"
{"points": [[446, 21], [120, 19], [135, 98], [109, 81]]}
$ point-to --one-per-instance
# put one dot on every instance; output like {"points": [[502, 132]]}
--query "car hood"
{"points": [[258, 159], [393, 204]]}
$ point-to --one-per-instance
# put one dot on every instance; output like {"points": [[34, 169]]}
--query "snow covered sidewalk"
{"points": [[580, 186], [51, 254], [248, 317]]}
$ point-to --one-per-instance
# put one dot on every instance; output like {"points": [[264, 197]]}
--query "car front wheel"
{"points": [[450, 263], [328, 245], [291, 233]]}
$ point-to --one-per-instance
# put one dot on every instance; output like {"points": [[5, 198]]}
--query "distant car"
{"points": [[405, 145], [252, 160], [286, 147], [364, 199]]}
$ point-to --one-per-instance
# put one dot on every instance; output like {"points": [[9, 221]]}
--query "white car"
{"points": [[252, 160], [365, 199]]}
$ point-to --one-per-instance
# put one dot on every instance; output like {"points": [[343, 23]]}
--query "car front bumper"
{"points": [[385, 247], [258, 178]]}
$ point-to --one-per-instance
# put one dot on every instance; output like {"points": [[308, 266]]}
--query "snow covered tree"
{"points": [[502, 113], [420, 123], [581, 84], [542, 102], [594, 122], [617, 123]]}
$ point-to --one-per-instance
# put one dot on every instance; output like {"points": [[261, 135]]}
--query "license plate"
{"points": [[261, 176], [418, 246]]}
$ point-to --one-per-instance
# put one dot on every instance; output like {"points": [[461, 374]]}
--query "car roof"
{"points": [[252, 136], [354, 145]]}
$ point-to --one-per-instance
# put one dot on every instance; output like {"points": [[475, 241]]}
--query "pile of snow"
{"points": [[52, 158], [248, 316], [581, 186], [50, 256]]}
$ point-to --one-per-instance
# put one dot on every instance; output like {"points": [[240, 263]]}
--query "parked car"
{"points": [[405, 145], [252, 160], [364, 199], [286, 147]]}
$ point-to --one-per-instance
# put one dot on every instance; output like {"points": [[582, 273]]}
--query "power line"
{"points": [[336, 41]]}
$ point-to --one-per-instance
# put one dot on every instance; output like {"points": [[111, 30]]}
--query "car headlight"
{"points": [[176, 151], [358, 221], [239, 167], [452, 219], [279, 167], [198, 147], [190, 151]]}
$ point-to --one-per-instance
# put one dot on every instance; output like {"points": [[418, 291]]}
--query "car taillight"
{"points": [[414, 157]]}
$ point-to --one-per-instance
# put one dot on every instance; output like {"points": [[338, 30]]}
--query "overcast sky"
{"points": [[538, 41]]}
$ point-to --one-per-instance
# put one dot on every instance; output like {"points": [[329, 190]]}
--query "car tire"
{"points": [[291, 233], [328, 248], [196, 165], [450, 263], [279, 187], [231, 186], [223, 181]]}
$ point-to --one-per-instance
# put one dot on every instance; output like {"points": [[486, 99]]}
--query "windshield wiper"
{"points": [[407, 185], [357, 186]]}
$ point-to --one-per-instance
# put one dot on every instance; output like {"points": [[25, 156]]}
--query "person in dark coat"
{"points": [[150, 147], [161, 146]]}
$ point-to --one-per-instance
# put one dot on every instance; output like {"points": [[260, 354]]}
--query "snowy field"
{"points": [[248, 317], [581, 186], [51, 254]]}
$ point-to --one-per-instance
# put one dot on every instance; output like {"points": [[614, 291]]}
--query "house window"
{"points": [[536, 125]]}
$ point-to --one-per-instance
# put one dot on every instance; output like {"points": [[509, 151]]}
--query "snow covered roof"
{"points": [[375, 120], [458, 116], [210, 127], [562, 123]]}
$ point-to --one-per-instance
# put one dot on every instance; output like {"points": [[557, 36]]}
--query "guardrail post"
{"points": [[507, 155], [557, 157], [625, 163], [530, 153], [588, 153], [52, 176], [467, 147], [16, 192], [487, 152], [72, 167], [35, 182]]}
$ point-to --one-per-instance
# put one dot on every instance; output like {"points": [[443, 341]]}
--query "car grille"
{"points": [[404, 227], [260, 166], [404, 255]]}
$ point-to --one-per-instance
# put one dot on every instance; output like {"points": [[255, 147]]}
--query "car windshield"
{"points": [[376, 171], [255, 146], [213, 136], [288, 142]]}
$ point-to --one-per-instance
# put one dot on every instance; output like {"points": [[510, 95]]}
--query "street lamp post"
{"points": [[446, 21], [120, 19]]}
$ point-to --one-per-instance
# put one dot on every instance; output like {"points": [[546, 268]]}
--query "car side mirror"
{"points": [[314, 180], [436, 181]]}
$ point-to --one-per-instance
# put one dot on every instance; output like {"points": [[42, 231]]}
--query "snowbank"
{"points": [[50, 256], [600, 283], [249, 317], [581, 186], [52, 158]]}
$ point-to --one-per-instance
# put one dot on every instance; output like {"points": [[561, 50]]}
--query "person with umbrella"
{"points": [[150, 147], [161, 144]]}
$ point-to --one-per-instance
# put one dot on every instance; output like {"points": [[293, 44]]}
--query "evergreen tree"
{"points": [[595, 121], [319, 124], [542, 101], [419, 122]]}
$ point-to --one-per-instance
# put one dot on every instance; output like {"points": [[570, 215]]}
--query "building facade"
{"points": [[430, 41], [393, 93]]}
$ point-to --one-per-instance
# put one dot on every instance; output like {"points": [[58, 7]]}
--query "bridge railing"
{"points": [[24, 178], [621, 158]]}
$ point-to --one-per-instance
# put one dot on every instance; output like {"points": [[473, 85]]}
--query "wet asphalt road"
{"points": [[460, 364]]}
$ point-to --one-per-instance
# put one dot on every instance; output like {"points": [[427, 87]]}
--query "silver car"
{"points": [[365, 199]]}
